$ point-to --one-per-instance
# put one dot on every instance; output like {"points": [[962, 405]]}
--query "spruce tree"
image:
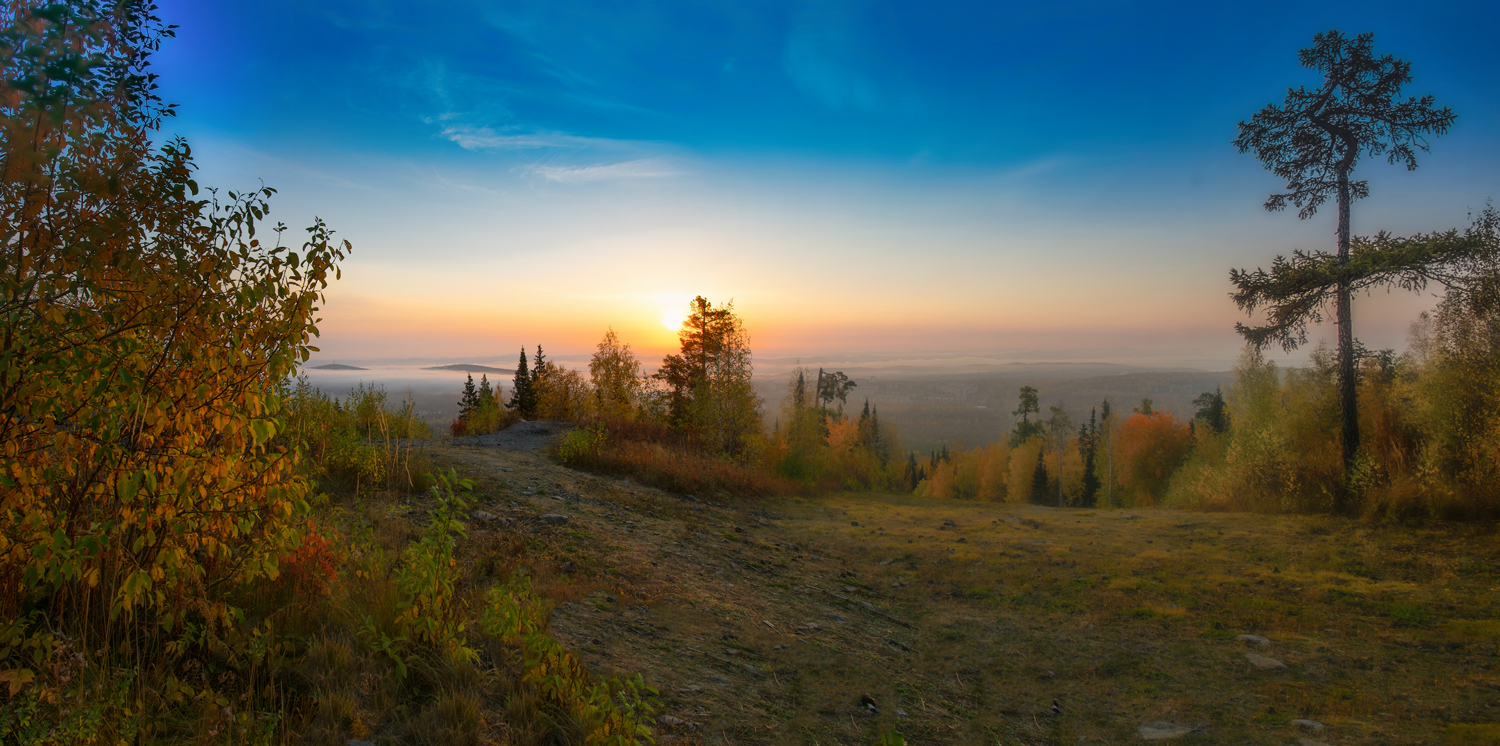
{"points": [[1213, 410], [1088, 443], [521, 399], [469, 402], [1039, 478], [486, 394]]}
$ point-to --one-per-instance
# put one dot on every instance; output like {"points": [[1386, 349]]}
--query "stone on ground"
{"points": [[1256, 639], [1159, 730], [1260, 661]]}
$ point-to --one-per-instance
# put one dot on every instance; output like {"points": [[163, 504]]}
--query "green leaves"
{"points": [[1296, 291], [263, 431]]}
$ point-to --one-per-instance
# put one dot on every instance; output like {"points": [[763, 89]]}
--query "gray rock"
{"points": [[1260, 661], [554, 519], [483, 516], [1309, 742], [1311, 725], [669, 720], [1159, 730], [1255, 639]]}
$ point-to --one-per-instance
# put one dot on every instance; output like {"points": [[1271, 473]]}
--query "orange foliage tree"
{"points": [[145, 334], [1151, 448]]}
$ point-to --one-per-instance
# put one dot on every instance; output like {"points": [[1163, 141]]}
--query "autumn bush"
{"points": [[1151, 449], [148, 326], [172, 567], [1430, 442], [658, 455]]}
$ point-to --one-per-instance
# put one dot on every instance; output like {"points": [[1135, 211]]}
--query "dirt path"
{"points": [[833, 621]]}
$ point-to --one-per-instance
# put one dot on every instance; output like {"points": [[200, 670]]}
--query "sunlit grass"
{"points": [[1384, 629]]}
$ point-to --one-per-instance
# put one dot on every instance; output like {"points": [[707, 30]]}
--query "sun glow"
{"points": [[673, 309]]}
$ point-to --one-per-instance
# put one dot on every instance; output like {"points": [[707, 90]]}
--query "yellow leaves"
{"points": [[842, 434], [16, 678]]}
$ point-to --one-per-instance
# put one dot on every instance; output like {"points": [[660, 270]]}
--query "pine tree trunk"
{"points": [[1347, 392]]}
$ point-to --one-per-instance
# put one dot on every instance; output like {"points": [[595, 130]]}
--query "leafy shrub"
{"points": [[430, 611], [147, 333], [582, 442], [1152, 447], [313, 567], [613, 711]]}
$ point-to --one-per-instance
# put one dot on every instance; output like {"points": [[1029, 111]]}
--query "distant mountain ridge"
{"points": [[338, 366], [471, 368]]}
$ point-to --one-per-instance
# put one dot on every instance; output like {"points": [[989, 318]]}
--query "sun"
{"points": [[671, 320], [672, 309]]}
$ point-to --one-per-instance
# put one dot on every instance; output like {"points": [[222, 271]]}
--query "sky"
{"points": [[864, 180]]}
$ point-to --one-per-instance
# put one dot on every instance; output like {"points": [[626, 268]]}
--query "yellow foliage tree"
{"points": [[618, 382], [562, 394], [145, 334]]}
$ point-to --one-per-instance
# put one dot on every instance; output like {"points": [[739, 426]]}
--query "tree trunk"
{"points": [[1347, 392]]}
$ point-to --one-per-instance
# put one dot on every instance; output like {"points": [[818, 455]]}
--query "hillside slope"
{"points": [[964, 623]]}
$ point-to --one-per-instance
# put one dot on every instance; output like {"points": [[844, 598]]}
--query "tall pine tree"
{"points": [[1088, 443], [469, 402], [1039, 478], [522, 398]]}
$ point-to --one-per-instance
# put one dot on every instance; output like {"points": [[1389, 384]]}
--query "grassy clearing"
{"points": [[767, 624], [1388, 634]]}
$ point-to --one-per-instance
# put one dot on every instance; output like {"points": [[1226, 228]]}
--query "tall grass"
{"points": [[361, 443]]}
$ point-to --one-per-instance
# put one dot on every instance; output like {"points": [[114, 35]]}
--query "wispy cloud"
{"points": [[644, 168], [485, 138]]}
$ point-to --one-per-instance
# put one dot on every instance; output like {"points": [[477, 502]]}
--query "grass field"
{"points": [[769, 622]]}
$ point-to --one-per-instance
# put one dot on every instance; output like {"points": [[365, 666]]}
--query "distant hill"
{"points": [[338, 366], [471, 368]]}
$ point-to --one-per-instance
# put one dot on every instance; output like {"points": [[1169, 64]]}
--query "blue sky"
{"points": [[859, 177]]}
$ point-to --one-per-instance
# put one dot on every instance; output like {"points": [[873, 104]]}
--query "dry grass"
{"points": [[1389, 634], [658, 456]]}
